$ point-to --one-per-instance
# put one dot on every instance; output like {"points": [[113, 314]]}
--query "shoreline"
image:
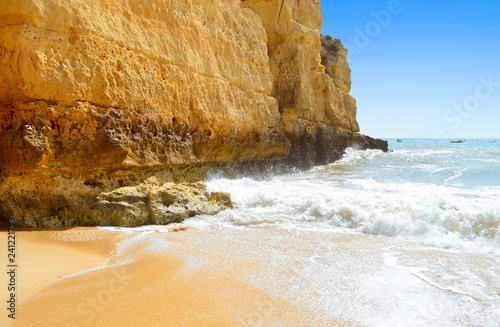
{"points": [[237, 277], [90, 276]]}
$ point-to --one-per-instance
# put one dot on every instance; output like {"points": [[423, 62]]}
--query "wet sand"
{"points": [[92, 277], [245, 277]]}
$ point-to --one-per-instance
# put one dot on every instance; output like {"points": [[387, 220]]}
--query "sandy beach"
{"points": [[153, 276], [43, 259], [249, 163], [93, 277]]}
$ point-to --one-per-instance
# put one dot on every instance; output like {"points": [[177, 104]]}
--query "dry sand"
{"points": [[43, 258]]}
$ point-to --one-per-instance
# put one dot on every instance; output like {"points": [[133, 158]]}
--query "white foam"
{"points": [[140, 229], [457, 174], [391, 260], [441, 216], [102, 267]]}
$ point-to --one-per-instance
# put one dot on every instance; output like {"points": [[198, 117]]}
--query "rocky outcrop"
{"points": [[99, 96], [94, 89], [158, 204], [334, 58], [318, 115], [55, 201]]}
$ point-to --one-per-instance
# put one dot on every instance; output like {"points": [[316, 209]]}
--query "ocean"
{"points": [[405, 238], [435, 192]]}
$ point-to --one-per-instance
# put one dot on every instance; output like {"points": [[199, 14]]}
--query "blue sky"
{"points": [[422, 68]]}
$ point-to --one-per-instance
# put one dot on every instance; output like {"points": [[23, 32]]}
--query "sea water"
{"points": [[410, 237], [432, 191]]}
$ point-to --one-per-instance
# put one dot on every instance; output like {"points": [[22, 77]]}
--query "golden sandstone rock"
{"points": [[334, 58], [98, 95], [138, 75]]}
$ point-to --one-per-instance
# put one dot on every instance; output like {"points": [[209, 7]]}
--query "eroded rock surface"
{"points": [[97, 97], [318, 115], [54, 201]]}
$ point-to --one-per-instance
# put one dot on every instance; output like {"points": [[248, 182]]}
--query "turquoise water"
{"points": [[474, 163], [433, 191]]}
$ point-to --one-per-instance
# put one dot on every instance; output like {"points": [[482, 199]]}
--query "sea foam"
{"points": [[392, 194]]}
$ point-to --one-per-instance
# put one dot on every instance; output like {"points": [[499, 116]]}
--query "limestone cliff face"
{"points": [[301, 86], [334, 58], [99, 96], [317, 113], [127, 77]]}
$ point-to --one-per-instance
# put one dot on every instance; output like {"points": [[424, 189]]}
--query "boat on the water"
{"points": [[458, 141], [399, 140]]}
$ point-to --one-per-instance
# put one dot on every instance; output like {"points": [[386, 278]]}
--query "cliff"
{"points": [[104, 103], [318, 115]]}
